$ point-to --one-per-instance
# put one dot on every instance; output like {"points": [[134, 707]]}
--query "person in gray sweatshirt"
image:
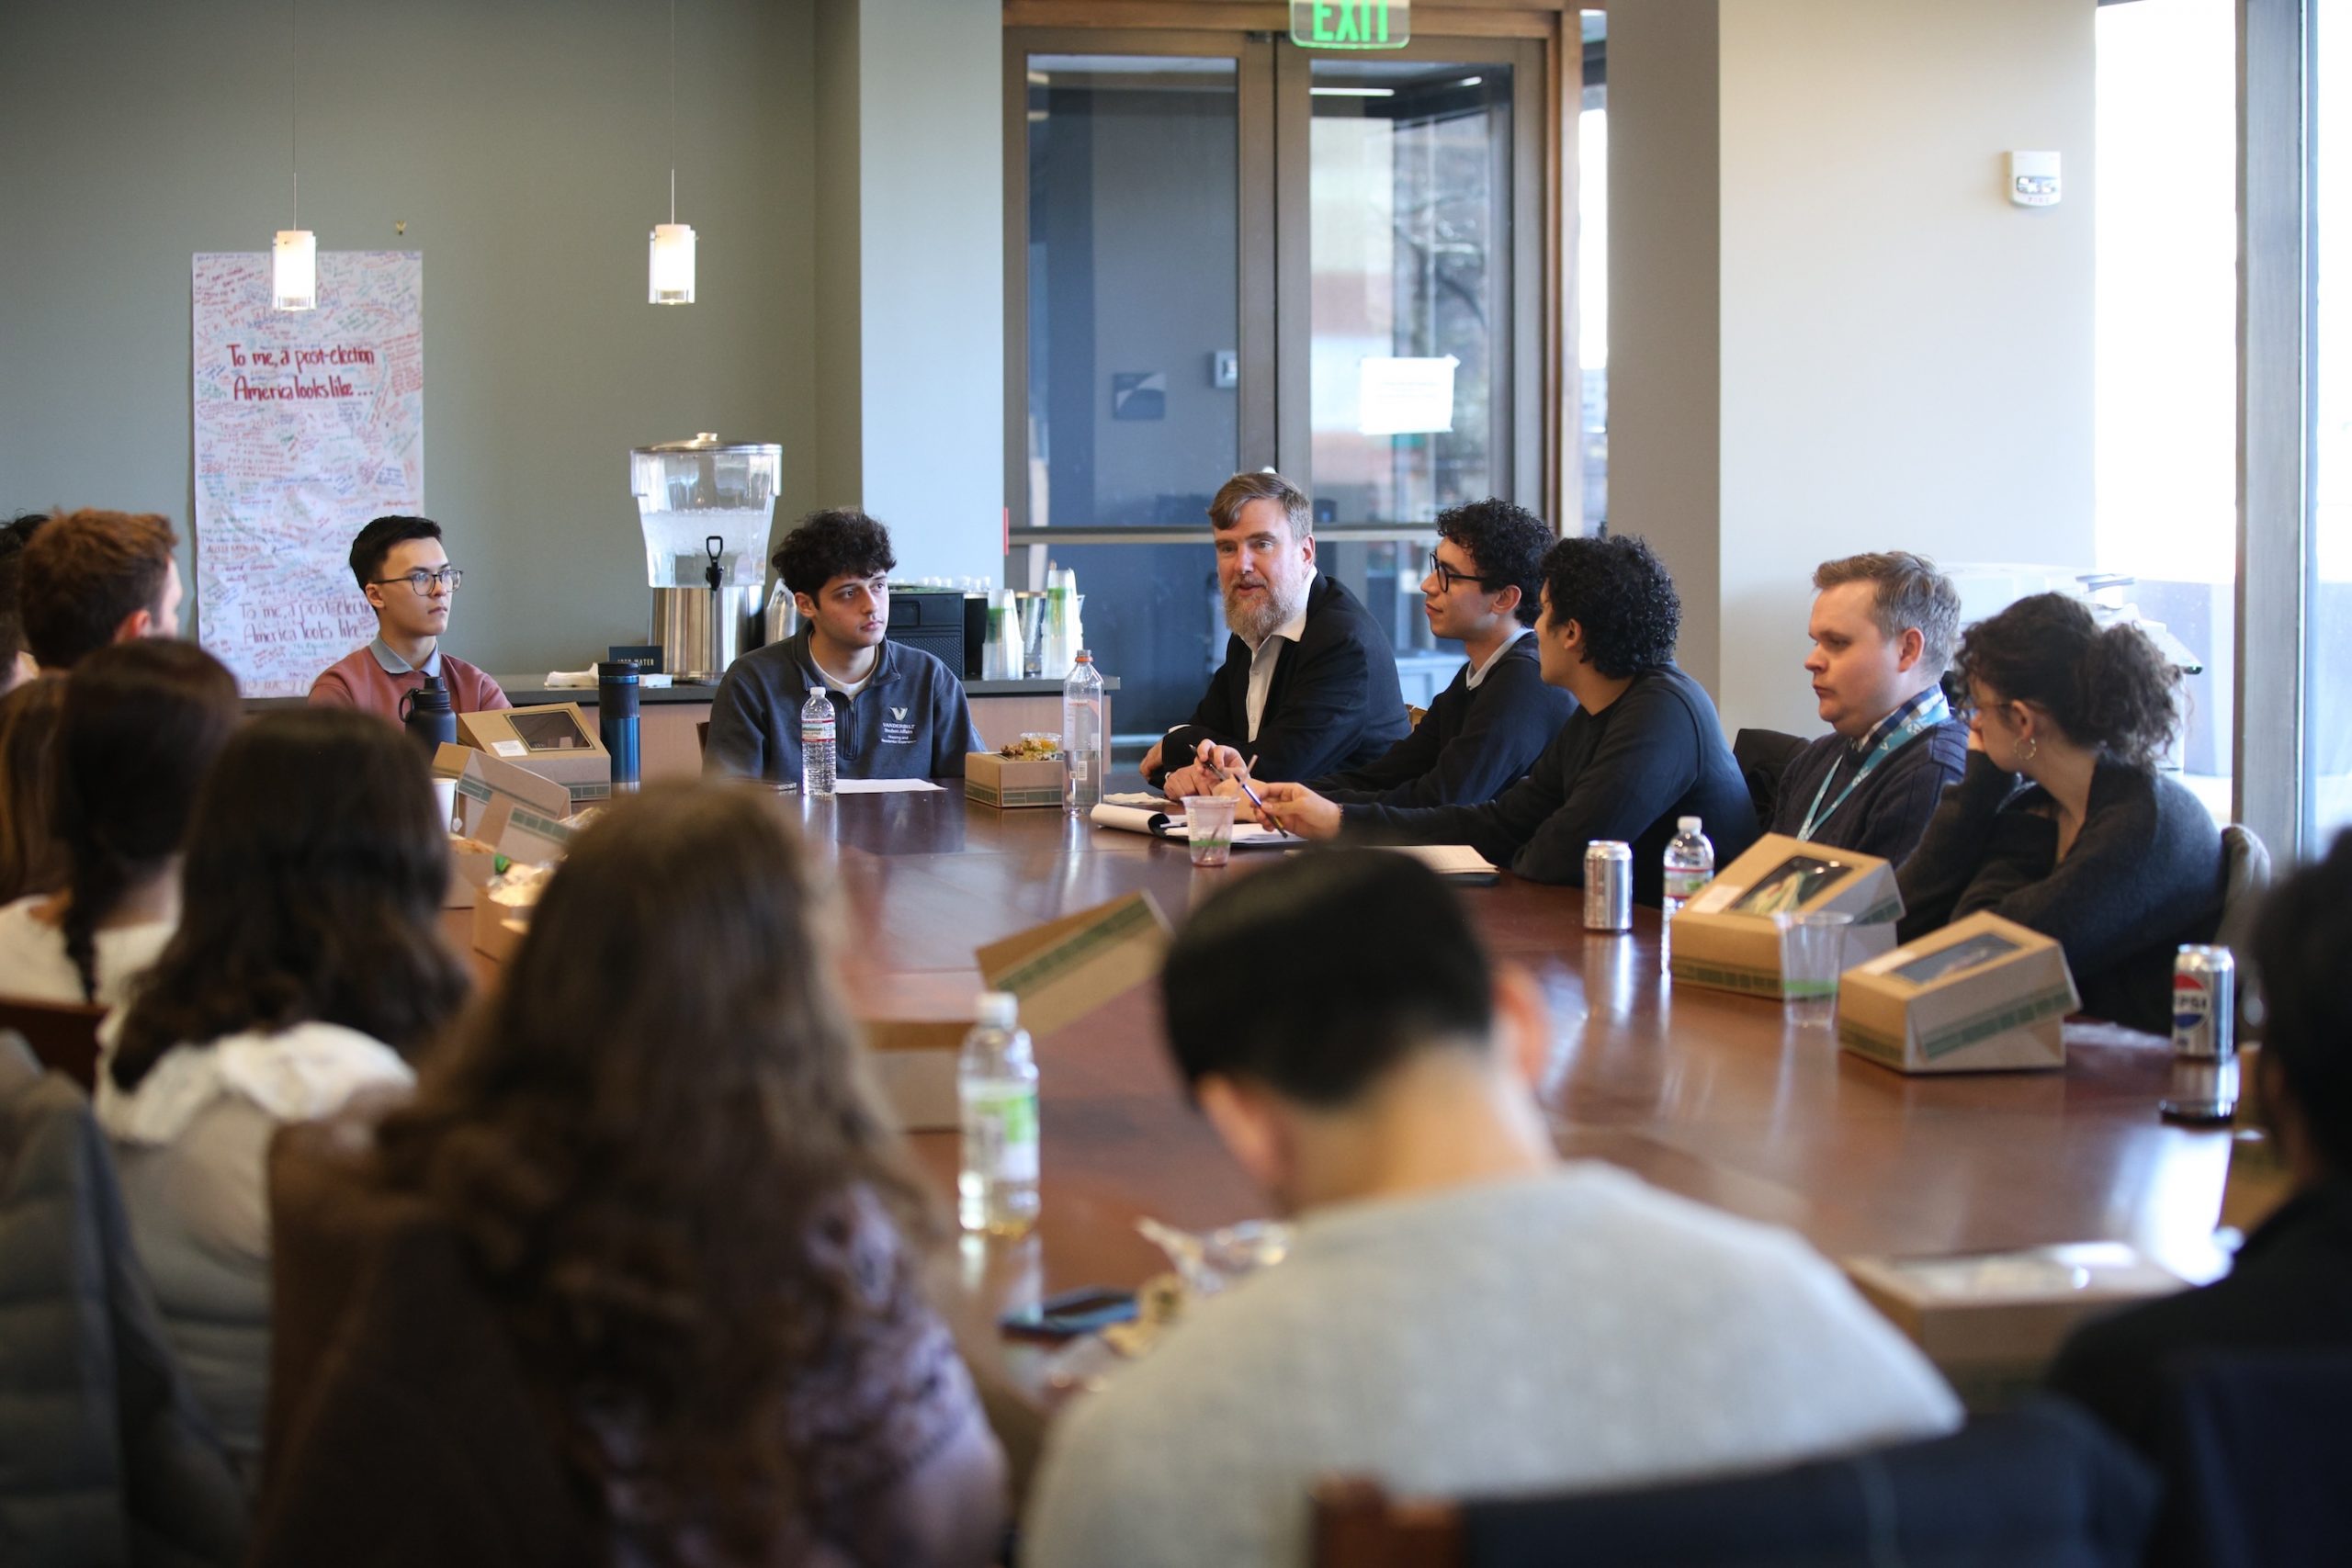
{"points": [[899, 713]]}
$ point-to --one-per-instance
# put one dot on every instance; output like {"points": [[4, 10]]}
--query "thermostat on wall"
{"points": [[2033, 179]]}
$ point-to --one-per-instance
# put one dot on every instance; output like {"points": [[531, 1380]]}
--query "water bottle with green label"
{"points": [[996, 1081]]}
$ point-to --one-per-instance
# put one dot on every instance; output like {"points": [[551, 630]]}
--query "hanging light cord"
{"points": [[673, 112], [294, 103]]}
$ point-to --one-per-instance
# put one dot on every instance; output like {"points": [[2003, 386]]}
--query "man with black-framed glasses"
{"points": [[408, 580]]}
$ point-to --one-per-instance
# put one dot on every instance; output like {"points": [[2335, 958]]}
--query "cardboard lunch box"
{"points": [[1061, 971], [1004, 783], [1726, 939], [1992, 1322], [518, 813], [1982, 995], [556, 741]]}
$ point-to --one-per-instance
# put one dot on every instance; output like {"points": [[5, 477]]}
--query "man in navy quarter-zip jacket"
{"points": [[899, 713]]}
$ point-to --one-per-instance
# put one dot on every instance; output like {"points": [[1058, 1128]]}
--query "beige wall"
{"points": [[1900, 356]]}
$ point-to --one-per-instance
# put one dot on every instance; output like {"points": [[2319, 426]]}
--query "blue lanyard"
{"points": [[1925, 717]]}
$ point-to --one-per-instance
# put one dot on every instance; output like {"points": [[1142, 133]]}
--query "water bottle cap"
{"points": [[998, 1009], [815, 691], [1084, 658], [1686, 824]]}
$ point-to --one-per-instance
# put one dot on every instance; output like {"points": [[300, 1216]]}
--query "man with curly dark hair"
{"points": [[1486, 729], [1644, 748], [899, 713]]}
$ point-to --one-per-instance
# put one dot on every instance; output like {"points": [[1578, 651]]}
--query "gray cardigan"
{"points": [[2144, 877]]}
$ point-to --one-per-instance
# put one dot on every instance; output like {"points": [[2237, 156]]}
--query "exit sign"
{"points": [[1350, 24]]}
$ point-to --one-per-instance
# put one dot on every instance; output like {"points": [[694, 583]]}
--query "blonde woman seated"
{"points": [[308, 963], [138, 725], [2061, 821], [635, 1279]]}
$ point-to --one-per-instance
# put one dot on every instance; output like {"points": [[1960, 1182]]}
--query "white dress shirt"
{"points": [[1496, 658]]}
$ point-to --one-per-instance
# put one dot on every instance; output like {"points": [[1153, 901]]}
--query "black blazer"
{"points": [[1333, 703]]}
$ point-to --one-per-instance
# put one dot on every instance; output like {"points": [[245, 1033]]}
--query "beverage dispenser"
{"points": [[705, 505]]}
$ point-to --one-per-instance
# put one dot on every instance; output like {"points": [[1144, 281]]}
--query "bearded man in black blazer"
{"points": [[1308, 686]]}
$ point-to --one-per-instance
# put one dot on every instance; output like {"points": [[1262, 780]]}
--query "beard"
{"points": [[1255, 620]]}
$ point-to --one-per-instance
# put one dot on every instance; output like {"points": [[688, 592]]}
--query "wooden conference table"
{"points": [[1704, 1094]]}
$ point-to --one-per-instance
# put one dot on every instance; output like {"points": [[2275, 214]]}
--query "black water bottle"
{"points": [[616, 719], [429, 719]]}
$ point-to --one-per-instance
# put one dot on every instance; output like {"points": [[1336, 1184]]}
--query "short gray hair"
{"points": [[1224, 511], [1909, 592]]}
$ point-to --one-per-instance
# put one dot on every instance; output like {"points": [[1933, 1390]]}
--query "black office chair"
{"points": [[2042, 1487], [1763, 755]]}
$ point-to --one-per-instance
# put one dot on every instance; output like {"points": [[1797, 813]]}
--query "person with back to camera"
{"points": [[2289, 1287], [138, 727], [17, 662], [637, 1272], [2097, 849], [898, 711], [31, 860], [90, 578], [308, 966]]}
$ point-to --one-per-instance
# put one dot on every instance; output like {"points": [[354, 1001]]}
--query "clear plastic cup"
{"points": [[1208, 824], [1812, 955]]}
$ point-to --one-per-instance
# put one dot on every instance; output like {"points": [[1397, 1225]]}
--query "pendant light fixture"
{"points": [[294, 258], [670, 264]]}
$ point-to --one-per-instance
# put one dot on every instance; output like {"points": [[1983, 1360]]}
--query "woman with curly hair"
{"points": [[1643, 748], [307, 966], [138, 725], [2061, 821], [637, 1280]]}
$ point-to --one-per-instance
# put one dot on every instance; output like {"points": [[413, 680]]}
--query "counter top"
{"points": [[531, 690]]}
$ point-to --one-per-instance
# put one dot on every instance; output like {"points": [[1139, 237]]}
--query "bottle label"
{"points": [[1683, 882], [1006, 1119]]}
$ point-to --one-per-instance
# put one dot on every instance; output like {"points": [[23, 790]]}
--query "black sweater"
{"points": [[1627, 771], [1470, 745], [1889, 810], [2144, 877]]}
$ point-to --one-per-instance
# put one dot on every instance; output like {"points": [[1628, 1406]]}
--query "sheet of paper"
{"points": [[1405, 397], [882, 786], [1143, 798], [1447, 860], [1128, 818]]}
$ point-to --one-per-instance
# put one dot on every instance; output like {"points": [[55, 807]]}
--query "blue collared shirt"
{"points": [[393, 664], [1918, 703]]}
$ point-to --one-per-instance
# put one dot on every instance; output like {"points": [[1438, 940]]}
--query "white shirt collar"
{"points": [[1496, 658]]}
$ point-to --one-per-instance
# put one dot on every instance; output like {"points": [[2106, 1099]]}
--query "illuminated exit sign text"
{"points": [[1350, 24]]}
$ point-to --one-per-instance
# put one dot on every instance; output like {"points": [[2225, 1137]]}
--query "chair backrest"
{"points": [[702, 736], [1763, 755], [2043, 1486], [1414, 715], [2246, 876], [63, 1036]]}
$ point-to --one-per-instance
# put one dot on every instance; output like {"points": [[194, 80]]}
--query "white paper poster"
{"points": [[1405, 397], [308, 424]]}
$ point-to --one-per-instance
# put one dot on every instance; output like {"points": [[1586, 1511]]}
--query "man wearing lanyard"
{"points": [[1883, 627]]}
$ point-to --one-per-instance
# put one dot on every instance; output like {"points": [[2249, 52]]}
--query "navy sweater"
{"points": [[1889, 810], [1653, 755], [909, 722], [1470, 745]]}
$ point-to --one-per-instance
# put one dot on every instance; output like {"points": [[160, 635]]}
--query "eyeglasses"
{"points": [[1447, 577], [422, 583]]}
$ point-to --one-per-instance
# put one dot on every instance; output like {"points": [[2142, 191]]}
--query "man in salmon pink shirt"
{"points": [[411, 585]]}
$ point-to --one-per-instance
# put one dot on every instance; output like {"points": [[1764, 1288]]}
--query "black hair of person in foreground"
{"points": [[1643, 747], [2291, 1288], [2061, 821]]}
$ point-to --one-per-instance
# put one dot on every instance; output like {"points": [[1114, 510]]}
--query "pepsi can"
{"points": [[1608, 886], [2205, 1004]]}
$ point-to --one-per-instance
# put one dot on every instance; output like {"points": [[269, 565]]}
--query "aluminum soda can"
{"points": [[1608, 886], [2205, 1003]]}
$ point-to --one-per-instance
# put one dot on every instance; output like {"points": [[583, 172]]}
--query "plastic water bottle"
{"points": [[817, 744], [996, 1081], [1082, 736], [1690, 864]]}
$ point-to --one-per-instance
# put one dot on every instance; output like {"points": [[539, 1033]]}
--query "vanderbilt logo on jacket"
{"points": [[895, 730], [898, 714]]}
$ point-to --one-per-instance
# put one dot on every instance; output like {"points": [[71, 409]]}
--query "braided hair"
{"points": [[141, 723]]}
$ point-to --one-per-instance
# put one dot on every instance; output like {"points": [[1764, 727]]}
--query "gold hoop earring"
{"points": [[2029, 748]]}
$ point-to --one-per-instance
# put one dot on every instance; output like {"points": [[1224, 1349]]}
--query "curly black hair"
{"points": [[2110, 686], [841, 542], [1506, 544], [1619, 592]]}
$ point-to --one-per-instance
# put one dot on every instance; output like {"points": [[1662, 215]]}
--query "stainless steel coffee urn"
{"points": [[705, 506]]}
